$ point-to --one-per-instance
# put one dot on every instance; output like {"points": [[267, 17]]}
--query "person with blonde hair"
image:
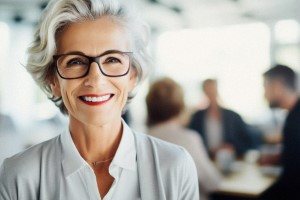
{"points": [[165, 104], [89, 56]]}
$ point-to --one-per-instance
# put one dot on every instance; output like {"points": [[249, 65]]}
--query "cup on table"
{"points": [[224, 159]]}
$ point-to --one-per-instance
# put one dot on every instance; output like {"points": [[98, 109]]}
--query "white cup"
{"points": [[224, 160]]}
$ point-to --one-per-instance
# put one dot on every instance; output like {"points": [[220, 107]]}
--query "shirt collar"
{"points": [[125, 156], [72, 160]]}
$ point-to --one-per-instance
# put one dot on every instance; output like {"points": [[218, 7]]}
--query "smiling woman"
{"points": [[89, 56]]}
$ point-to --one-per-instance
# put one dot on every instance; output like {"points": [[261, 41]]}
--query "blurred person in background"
{"points": [[89, 56], [165, 104], [220, 128], [280, 84]]}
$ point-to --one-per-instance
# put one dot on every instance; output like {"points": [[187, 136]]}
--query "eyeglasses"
{"points": [[112, 63]]}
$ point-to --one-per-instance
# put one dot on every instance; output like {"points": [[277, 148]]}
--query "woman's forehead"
{"points": [[93, 37]]}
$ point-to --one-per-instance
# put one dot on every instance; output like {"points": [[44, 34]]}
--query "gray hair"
{"points": [[58, 14]]}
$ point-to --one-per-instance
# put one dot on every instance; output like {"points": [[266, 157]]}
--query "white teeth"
{"points": [[96, 99]]}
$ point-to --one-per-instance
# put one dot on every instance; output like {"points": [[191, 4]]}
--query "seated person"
{"points": [[165, 104], [219, 127]]}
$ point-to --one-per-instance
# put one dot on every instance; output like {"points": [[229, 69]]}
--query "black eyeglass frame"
{"points": [[92, 59]]}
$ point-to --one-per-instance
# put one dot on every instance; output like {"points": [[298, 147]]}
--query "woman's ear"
{"points": [[55, 87]]}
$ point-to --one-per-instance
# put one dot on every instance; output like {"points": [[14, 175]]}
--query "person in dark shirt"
{"points": [[219, 127], [280, 83]]}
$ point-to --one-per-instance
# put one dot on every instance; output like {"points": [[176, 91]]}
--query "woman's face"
{"points": [[93, 38]]}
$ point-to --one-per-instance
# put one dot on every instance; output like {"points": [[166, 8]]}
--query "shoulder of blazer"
{"points": [[230, 114], [198, 116]]}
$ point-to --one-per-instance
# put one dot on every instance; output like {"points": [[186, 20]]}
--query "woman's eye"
{"points": [[76, 62], [112, 60]]}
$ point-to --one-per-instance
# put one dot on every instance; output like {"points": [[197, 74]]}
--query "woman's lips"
{"points": [[94, 100]]}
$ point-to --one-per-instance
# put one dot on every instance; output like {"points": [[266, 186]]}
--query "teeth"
{"points": [[96, 99]]}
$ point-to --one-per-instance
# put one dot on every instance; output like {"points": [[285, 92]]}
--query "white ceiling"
{"points": [[168, 14]]}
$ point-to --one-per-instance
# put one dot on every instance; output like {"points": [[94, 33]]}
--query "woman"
{"points": [[90, 55], [165, 105]]}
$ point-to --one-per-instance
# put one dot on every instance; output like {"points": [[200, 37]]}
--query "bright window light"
{"points": [[287, 32], [289, 55], [235, 55]]}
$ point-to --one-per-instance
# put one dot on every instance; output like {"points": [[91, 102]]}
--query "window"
{"points": [[235, 55]]}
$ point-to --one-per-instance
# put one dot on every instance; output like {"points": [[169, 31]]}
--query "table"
{"points": [[246, 183]]}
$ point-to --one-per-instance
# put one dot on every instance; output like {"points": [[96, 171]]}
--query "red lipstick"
{"points": [[95, 100]]}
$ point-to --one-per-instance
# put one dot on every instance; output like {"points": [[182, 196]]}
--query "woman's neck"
{"points": [[96, 143]]}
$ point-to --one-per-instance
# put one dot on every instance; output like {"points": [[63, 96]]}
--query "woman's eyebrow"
{"points": [[103, 53]]}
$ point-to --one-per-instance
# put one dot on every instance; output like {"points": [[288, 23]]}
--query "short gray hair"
{"points": [[58, 14]]}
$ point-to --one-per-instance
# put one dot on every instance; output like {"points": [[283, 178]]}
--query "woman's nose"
{"points": [[95, 75], [95, 69]]}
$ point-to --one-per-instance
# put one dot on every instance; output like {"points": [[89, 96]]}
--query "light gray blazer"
{"points": [[165, 171]]}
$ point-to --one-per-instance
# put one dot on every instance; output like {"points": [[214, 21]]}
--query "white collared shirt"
{"points": [[213, 129], [55, 170], [78, 172]]}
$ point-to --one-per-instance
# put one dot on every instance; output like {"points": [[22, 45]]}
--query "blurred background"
{"points": [[233, 41]]}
